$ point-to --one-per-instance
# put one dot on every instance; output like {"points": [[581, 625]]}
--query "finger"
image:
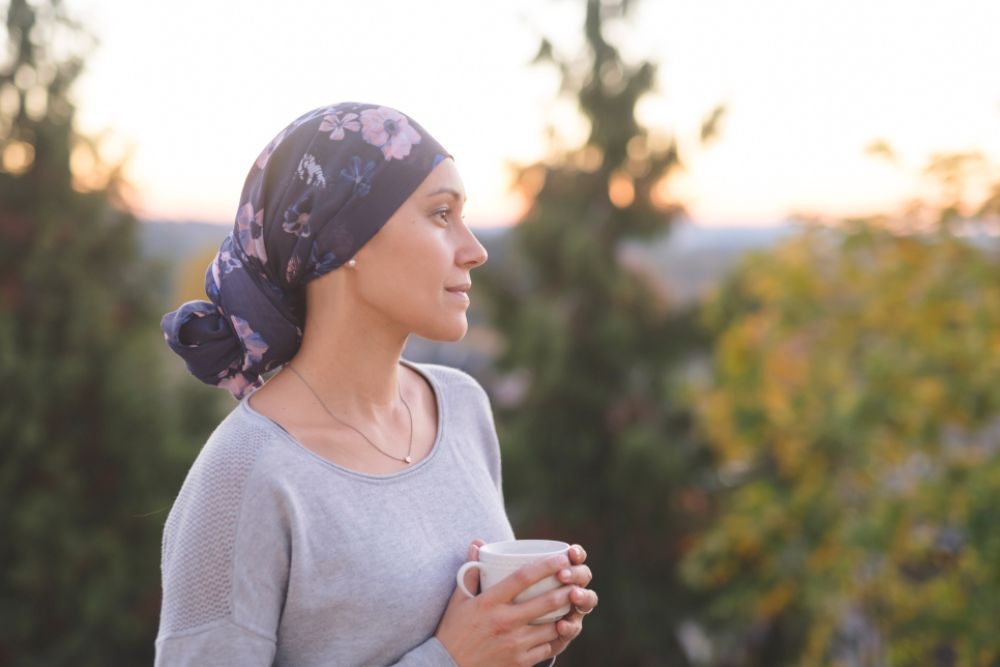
{"points": [[577, 554], [539, 634], [558, 646], [580, 599], [536, 607], [578, 574], [569, 629], [539, 653], [508, 587], [583, 600]]}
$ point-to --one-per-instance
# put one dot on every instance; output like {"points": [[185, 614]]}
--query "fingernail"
{"points": [[577, 552], [566, 574]]}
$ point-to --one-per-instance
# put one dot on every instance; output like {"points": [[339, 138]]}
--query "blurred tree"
{"points": [[92, 445], [595, 450], [189, 284], [854, 411]]}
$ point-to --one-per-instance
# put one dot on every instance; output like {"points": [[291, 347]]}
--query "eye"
{"points": [[442, 214]]}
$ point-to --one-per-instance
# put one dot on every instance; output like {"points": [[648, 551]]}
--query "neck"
{"points": [[353, 368]]}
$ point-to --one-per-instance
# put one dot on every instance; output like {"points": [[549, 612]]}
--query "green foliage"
{"points": [[93, 442], [595, 451], [854, 411]]}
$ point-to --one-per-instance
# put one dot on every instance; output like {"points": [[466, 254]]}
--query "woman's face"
{"points": [[405, 271]]}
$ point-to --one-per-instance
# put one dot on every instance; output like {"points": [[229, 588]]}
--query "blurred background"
{"points": [[740, 323]]}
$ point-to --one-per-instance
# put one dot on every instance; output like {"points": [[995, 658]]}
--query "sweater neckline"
{"points": [[438, 438]]}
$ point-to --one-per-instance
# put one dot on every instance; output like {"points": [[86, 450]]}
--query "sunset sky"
{"points": [[197, 88]]}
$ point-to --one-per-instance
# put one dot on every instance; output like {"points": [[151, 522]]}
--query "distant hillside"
{"points": [[167, 245], [174, 241], [178, 240], [689, 259], [687, 262]]}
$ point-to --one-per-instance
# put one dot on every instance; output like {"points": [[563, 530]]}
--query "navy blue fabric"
{"points": [[316, 193]]}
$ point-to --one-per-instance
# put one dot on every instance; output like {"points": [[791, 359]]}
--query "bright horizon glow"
{"points": [[198, 90]]}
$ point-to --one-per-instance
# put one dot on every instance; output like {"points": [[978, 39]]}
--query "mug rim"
{"points": [[546, 548]]}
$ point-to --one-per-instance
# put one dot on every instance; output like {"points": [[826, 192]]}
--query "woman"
{"points": [[325, 518]]}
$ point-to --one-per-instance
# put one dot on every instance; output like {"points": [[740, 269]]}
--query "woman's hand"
{"points": [[491, 629], [583, 600]]}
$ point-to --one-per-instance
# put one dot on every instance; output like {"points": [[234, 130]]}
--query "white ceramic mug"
{"points": [[498, 560]]}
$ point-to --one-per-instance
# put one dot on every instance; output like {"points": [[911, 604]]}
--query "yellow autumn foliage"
{"points": [[853, 410]]}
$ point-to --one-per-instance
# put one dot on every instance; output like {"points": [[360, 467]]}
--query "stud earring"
{"points": [[352, 263]]}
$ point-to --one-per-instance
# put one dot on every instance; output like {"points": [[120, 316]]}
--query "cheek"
{"points": [[413, 265], [415, 279], [427, 258]]}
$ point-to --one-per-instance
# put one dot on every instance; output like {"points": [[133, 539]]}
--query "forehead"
{"points": [[444, 180]]}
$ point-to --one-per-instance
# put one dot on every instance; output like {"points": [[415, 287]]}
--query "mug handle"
{"points": [[460, 580], [460, 577]]}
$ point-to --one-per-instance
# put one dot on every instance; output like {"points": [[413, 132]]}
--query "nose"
{"points": [[472, 253]]}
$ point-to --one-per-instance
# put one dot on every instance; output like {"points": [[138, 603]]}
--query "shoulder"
{"points": [[228, 457], [446, 374], [200, 537], [454, 380], [210, 500]]}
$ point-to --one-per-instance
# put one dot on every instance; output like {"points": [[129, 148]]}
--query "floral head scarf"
{"points": [[316, 194]]}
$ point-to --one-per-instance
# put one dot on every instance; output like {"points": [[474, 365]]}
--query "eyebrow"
{"points": [[447, 191]]}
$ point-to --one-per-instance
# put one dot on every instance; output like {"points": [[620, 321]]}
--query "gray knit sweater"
{"points": [[274, 555]]}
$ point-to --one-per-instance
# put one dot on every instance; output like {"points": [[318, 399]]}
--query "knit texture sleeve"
{"points": [[224, 560]]}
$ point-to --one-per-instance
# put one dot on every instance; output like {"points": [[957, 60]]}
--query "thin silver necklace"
{"points": [[409, 450]]}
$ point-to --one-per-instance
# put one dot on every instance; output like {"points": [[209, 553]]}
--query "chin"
{"points": [[445, 332]]}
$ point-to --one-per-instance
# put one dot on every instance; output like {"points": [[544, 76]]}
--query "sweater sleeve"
{"points": [[224, 643], [224, 563], [431, 653]]}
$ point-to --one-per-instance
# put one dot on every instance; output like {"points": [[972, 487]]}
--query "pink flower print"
{"points": [[238, 385], [297, 218], [250, 224], [335, 125], [389, 130], [294, 267], [253, 342]]}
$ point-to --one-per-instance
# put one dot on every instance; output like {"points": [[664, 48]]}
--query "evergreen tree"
{"points": [[595, 451], [92, 445]]}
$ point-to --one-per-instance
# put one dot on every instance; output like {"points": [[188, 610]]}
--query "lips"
{"points": [[460, 291]]}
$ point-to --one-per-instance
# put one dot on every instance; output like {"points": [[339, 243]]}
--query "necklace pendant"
{"points": [[408, 459]]}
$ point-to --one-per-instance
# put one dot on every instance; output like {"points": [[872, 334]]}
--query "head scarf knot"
{"points": [[316, 193]]}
